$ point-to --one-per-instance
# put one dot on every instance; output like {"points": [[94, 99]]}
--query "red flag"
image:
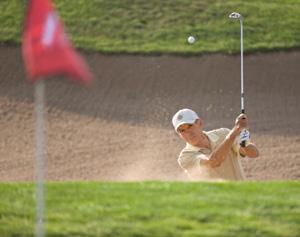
{"points": [[46, 48]]}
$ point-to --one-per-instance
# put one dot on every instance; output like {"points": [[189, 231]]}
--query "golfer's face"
{"points": [[189, 132]]}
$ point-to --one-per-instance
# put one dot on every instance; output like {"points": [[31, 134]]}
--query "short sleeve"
{"points": [[223, 132], [191, 159]]}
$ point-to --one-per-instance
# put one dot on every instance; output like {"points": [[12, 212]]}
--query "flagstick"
{"points": [[40, 164]]}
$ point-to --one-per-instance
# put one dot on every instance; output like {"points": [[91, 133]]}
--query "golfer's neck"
{"points": [[203, 141]]}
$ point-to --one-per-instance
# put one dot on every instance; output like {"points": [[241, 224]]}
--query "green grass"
{"points": [[142, 26], [155, 209]]}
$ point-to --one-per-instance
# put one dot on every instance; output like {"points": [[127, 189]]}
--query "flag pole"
{"points": [[39, 90], [46, 52]]}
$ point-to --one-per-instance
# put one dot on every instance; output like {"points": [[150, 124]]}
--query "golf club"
{"points": [[236, 15]]}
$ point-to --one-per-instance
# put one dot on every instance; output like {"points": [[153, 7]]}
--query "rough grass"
{"points": [[156, 26], [155, 209]]}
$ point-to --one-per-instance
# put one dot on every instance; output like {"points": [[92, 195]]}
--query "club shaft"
{"points": [[242, 69], [243, 144]]}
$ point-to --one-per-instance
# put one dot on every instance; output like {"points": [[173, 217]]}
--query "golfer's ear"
{"points": [[199, 121]]}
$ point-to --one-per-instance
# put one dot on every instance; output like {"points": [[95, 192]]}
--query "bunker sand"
{"points": [[120, 128]]}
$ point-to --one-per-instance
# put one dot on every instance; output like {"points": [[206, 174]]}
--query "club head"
{"points": [[235, 15]]}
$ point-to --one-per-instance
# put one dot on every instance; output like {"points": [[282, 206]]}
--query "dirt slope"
{"points": [[119, 129]]}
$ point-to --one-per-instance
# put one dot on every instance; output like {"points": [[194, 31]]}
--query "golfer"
{"points": [[212, 155]]}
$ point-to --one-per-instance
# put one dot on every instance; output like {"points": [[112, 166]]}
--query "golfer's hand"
{"points": [[241, 122]]}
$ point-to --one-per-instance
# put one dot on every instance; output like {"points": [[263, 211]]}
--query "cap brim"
{"points": [[185, 122]]}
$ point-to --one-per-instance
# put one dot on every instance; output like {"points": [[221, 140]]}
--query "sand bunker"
{"points": [[120, 129]]}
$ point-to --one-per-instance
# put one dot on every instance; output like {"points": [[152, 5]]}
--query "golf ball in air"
{"points": [[191, 39]]}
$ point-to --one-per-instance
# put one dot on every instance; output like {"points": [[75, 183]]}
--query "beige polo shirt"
{"points": [[190, 159]]}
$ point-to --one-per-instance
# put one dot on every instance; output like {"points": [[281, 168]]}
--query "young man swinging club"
{"points": [[212, 155]]}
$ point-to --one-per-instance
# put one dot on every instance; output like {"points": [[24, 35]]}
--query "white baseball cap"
{"points": [[184, 116]]}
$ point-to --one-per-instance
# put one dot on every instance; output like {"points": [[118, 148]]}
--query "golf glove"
{"points": [[244, 136]]}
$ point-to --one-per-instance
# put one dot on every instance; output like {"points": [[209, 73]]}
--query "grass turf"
{"points": [[155, 209], [141, 26]]}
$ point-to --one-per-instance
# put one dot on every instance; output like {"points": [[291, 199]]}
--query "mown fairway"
{"points": [[157, 26], [155, 209]]}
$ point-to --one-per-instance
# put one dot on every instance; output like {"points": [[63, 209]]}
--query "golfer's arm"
{"points": [[217, 157], [250, 151]]}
